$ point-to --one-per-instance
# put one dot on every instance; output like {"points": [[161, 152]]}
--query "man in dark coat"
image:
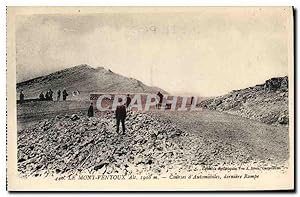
{"points": [[121, 116], [91, 111]]}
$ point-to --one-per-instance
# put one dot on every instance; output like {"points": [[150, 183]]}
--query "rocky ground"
{"points": [[266, 102], [155, 142]]}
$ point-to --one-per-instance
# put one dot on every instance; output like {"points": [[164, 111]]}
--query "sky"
{"points": [[206, 51]]}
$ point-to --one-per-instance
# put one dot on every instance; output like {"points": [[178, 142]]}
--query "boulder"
{"points": [[283, 119], [74, 117]]}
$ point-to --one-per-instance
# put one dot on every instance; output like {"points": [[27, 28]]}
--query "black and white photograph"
{"points": [[150, 98]]}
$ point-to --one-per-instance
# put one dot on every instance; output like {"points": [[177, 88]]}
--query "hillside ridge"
{"points": [[267, 102], [85, 79]]}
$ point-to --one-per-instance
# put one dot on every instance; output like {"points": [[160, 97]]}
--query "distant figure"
{"points": [[22, 96], [50, 95], [120, 116], [161, 96], [128, 100], [91, 111], [47, 96], [267, 86], [65, 94], [41, 96], [192, 99], [58, 95]]}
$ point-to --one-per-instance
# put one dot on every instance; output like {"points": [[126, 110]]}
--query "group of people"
{"points": [[49, 95]]}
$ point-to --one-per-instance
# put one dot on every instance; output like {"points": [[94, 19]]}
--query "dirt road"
{"points": [[257, 140]]}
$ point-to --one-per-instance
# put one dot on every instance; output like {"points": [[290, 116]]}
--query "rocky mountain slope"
{"points": [[85, 79], [74, 143], [157, 143], [266, 102]]}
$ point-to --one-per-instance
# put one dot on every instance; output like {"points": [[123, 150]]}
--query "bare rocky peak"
{"points": [[85, 79]]}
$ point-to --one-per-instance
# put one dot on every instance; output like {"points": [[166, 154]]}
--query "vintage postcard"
{"points": [[150, 98]]}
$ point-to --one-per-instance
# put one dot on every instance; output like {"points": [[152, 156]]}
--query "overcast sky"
{"points": [[208, 52]]}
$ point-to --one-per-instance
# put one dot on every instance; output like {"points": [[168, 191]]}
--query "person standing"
{"points": [[42, 97], [128, 101], [58, 95], [22, 96], [161, 96], [91, 111], [121, 116], [65, 94], [50, 95], [47, 97]]}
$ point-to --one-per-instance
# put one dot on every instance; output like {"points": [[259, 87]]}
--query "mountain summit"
{"points": [[84, 79]]}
